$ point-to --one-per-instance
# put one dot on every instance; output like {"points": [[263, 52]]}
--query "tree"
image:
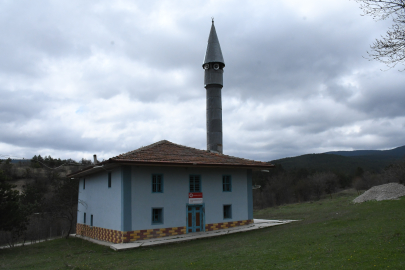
{"points": [[359, 172], [33, 196], [331, 183], [395, 173], [318, 185], [303, 190], [34, 162], [85, 161], [390, 49], [14, 215], [63, 205], [359, 184], [7, 168]]}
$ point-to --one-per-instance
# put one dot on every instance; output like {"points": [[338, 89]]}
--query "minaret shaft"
{"points": [[214, 117], [213, 81]]}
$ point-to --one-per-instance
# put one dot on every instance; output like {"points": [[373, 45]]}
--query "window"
{"points": [[84, 218], [195, 183], [109, 179], [227, 211], [84, 183], [91, 220], [226, 183], [157, 215], [157, 183]]}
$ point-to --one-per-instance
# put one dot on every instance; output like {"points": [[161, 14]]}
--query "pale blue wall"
{"points": [[100, 201], [173, 199], [175, 196], [106, 204], [215, 198]]}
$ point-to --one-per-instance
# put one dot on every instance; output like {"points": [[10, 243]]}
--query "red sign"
{"points": [[194, 195]]}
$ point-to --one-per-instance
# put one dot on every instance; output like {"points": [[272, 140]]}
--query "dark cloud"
{"points": [[79, 78]]}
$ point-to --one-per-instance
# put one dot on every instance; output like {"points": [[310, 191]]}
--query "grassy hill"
{"points": [[345, 161], [331, 234]]}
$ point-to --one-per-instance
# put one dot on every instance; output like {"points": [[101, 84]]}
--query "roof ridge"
{"points": [[142, 148], [202, 152]]}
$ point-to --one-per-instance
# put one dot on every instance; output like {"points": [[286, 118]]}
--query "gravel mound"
{"points": [[388, 191]]}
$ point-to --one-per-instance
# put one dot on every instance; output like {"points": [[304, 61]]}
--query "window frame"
{"points": [[161, 217], [189, 183], [161, 183], [229, 212], [109, 179], [226, 184]]}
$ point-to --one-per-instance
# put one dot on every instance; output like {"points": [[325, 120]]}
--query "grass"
{"points": [[332, 234]]}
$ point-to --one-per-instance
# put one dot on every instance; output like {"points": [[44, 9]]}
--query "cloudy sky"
{"points": [[79, 78]]}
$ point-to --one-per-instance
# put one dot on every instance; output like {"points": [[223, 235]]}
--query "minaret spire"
{"points": [[213, 53], [213, 82]]}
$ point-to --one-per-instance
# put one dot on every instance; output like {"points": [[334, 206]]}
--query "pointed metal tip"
{"points": [[213, 53]]}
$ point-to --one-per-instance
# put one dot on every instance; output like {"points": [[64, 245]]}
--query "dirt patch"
{"points": [[390, 191]]}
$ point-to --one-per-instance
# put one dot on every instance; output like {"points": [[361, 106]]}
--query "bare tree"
{"points": [[389, 49], [303, 190], [63, 205], [318, 185], [395, 173], [331, 183]]}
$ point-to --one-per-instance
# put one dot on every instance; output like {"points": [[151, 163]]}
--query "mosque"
{"points": [[166, 189]]}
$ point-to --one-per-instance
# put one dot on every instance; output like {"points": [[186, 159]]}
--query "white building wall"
{"points": [[99, 200]]}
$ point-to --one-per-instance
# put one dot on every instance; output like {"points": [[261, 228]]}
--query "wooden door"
{"points": [[195, 219]]}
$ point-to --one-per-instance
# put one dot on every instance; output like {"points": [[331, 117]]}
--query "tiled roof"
{"points": [[171, 154], [168, 152]]}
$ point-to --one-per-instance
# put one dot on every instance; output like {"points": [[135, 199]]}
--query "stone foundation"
{"points": [[108, 235], [226, 225], [116, 237]]}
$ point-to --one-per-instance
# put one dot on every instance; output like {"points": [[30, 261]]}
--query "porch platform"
{"points": [[258, 224]]}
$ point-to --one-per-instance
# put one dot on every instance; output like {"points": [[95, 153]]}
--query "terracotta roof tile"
{"points": [[171, 154], [168, 152]]}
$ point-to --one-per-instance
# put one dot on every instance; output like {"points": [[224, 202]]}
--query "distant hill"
{"points": [[17, 161], [398, 152], [344, 161]]}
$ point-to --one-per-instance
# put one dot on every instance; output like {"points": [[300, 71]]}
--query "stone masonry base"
{"points": [[116, 237]]}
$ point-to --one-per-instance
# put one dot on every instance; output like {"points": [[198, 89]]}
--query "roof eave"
{"points": [[170, 163], [91, 169]]}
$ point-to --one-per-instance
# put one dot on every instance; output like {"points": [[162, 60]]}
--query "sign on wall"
{"points": [[195, 198]]}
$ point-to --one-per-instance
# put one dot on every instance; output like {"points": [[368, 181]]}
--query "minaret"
{"points": [[213, 81]]}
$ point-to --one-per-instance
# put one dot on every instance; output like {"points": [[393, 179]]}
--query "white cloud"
{"points": [[79, 78]]}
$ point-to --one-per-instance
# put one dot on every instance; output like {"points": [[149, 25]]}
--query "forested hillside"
{"points": [[345, 162], [37, 200], [310, 177]]}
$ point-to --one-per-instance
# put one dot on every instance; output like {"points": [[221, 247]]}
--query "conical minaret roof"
{"points": [[213, 53]]}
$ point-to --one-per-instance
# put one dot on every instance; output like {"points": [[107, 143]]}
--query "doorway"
{"points": [[195, 218]]}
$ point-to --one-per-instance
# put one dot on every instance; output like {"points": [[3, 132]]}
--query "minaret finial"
{"points": [[212, 18]]}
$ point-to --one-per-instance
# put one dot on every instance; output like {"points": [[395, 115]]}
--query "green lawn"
{"points": [[332, 234]]}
